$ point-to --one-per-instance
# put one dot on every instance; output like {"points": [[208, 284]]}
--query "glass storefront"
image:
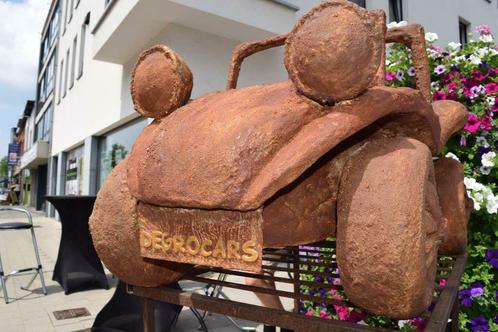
{"points": [[74, 172], [115, 146]]}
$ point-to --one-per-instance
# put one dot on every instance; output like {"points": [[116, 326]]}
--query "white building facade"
{"points": [[94, 124]]}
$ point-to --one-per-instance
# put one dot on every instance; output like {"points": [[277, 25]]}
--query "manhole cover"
{"points": [[71, 313]]}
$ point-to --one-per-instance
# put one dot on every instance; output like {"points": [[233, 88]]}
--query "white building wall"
{"points": [[442, 16], [208, 57], [94, 100]]}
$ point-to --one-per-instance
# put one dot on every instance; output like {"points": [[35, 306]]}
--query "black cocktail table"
{"points": [[78, 266]]}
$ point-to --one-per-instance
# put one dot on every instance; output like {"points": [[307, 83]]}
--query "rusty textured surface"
{"points": [[303, 212], [332, 142], [217, 152], [452, 118], [161, 82], [455, 204], [230, 239], [115, 233], [388, 221], [334, 51]]}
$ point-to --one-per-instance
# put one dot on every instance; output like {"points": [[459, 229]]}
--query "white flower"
{"points": [[486, 38], [460, 58], [478, 197], [493, 51], [472, 184], [487, 193], [397, 24], [482, 52], [488, 159], [477, 206], [454, 46], [402, 323], [485, 170], [431, 37], [492, 205], [475, 59], [452, 155], [481, 140], [490, 100]]}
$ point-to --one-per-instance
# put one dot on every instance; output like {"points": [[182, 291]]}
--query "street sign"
{"points": [[13, 154]]}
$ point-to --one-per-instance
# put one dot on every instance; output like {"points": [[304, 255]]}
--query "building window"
{"points": [[84, 28], [70, 4], [115, 146], [54, 27], [395, 10], [74, 172], [73, 62], [49, 76], [66, 74], [41, 93], [61, 73], [43, 126], [463, 28], [359, 3], [66, 3]]}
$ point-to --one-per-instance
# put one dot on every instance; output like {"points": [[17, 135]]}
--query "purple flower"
{"points": [[482, 150], [440, 69], [476, 290], [411, 71], [465, 297], [479, 323], [400, 75], [492, 259], [463, 141]]}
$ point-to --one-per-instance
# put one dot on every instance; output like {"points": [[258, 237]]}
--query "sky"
{"points": [[21, 22]]}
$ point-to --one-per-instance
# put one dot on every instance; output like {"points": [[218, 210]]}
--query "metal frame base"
{"points": [[303, 261]]}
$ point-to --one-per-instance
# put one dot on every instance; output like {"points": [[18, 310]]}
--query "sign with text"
{"points": [[13, 154], [218, 238]]}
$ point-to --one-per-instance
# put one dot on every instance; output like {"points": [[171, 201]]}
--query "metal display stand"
{"points": [[299, 262]]}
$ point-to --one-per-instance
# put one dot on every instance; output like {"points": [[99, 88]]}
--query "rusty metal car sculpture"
{"points": [[331, 152]]}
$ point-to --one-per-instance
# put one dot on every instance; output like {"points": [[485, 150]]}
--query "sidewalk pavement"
{"points": [[32, 311]]}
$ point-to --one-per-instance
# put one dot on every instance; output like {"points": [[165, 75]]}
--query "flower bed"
{"points": [[468, 74]]}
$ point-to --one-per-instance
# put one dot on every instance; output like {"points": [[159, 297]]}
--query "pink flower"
{"points": [[390, 76], [447, 77], [419, 323], [442, 282], [323, 314], [452, 86], [332, 291], [472, 124], [491, 88], [436, 49], [439, 95], [478, 75], [342, 312], [483, 29], [486, 122], [468, 93], [309, 313], [356, 316]]}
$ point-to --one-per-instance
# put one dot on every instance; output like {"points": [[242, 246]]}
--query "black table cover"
{"points": [[78, 266], [124, 312]]}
